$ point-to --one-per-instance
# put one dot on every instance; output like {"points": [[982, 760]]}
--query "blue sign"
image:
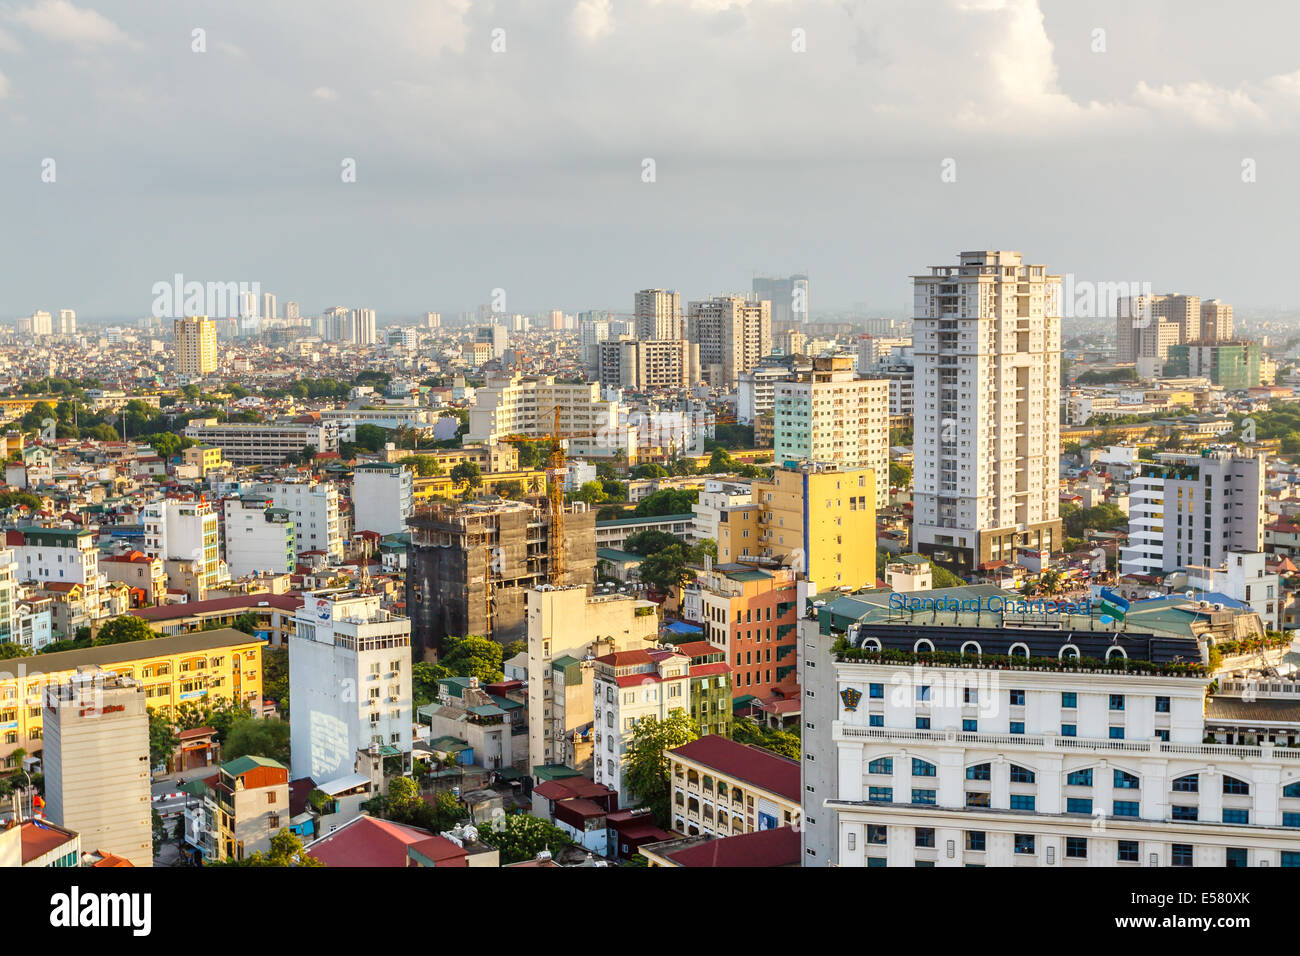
{"points": [[995, 603]]}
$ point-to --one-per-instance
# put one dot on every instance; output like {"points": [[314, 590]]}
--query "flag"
{"points": [[1113, 605]]}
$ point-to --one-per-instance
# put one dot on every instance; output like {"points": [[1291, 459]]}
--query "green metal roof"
{"points": [[554, 771], [648, 519], [617, 554], [448, 745], [241, 765]]}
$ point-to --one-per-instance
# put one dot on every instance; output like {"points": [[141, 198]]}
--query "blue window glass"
{"points": [[1128, 851], [923, 692], [924, 837], [1078, 805], [969, 726], [1126, 808], [1017, 698], [1069, 730], [1235, 786], [1162, 705], [1163, 735], [1125, 781], [876, 861], [923, 864], [980, 771], [1079, 778], [1076, 848], [877, 691], [881, 765], [1069, 699], [1021, 774], [1017, 726], [1290, 858], [880, 794], [877, 834], [923, 723], [1188, 784], [1236, 816], [1025, 843], [925, 797], [1117, 733], [970, 695], [1022, 801], [975, 841], [876, 720], [1181, 855], [921, 768], [1291, 819], [1238, 857], [1116, 701], [1291, 789], [1185, 814]]}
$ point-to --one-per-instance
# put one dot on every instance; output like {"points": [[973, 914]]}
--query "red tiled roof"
{"points": [[707, 670], [442, 851], [571, 787], [39, 838], [166, 612], [367, 841], [778, 847], [754, 765], [111, 859], [626, 658]]}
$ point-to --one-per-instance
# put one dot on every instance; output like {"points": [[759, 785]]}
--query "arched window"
{"points": [[1018, 648], [722, 790], [680, 800], [708, 782], [1190, 783], [881, 765], [1291, 789], [922, 768], [1126, 781], [1068, 652], [1021, 774], [1116, 649], [692, 778], [692, 805], [977, 650], [979, 771], [918, 649], [871, 642], [1232, 785]]}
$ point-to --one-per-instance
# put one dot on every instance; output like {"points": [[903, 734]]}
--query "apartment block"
{"points": [[752, 614], [194, 340], [259, 536], [733, 334], [314, 507], [238, 810], [721, 788], [511, 405], [658, 314], [383, 497], [830, 414], [987, 344]]}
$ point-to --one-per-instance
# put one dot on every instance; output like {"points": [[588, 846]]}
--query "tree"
{"points": [[647, 763], [649, 541], [670, 501], [650, 470], [782, 742], [521, 836], [513, 649], [472, 656], [943, 578], [11, 499], [424, 466], [162, 738], [900, 476], [266, 737], [275, 677], [591, 492], [286, 850], [510, 489], [467, 472], [721, 461], [665, 571], [9, 650], [124, 630], [424, 681]]}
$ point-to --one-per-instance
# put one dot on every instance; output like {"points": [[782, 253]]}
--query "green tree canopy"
{"points": [[670, 501], [521, 836], [123, 630], [472, 656], [647, 763], [264, 737]]}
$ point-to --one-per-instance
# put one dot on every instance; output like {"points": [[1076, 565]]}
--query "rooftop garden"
{"points": [[1086, 665]]}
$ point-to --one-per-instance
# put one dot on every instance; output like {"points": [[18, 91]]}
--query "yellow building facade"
{"points": [[816, 518], [204, 668]]}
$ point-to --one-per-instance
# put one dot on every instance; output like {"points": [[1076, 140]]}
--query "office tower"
{"points": [[337, 324], [432, 320], [292, 311], [42, 323], [658, 314], [469, 565], [1138, 315], [593, 329], [789, 297], [987, 345], [195, 342], [494, 336], [733, 335], [1193, 510], [268, 305], [565, 627], [382, 497], [829, 414], [1216, 321], [817, 519], [1233, 366], [911, 762], [364, 327], [67, 322], [95, 739], [350, 681]]}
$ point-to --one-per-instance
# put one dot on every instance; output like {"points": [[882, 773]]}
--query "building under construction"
{"points": [[470, 564]]}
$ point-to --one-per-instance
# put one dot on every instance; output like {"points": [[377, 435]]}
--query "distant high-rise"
{"points": [[1196, 320], [1216, 321], [987, 341], [658, 314], [196, 346], [268, 305], [732, 333], [432, 320], [788, 295], [292, 311], [67, 322], [364, 327], [42, 323]]}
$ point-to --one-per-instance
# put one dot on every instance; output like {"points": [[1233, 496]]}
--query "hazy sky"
{"points": [[522, 169]]}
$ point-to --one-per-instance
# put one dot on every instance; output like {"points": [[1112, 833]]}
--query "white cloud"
{"points": [[593, 19], [325, 93], [60, 20]]}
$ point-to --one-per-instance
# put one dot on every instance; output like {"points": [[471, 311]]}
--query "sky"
{"points": [[504, 145]]}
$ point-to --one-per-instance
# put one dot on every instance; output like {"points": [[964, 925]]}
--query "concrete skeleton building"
{"points": [[471, 564], [987, 342]]}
